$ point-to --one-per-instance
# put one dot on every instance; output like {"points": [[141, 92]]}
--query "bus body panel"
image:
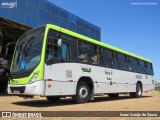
{"points": [[64, 78]]}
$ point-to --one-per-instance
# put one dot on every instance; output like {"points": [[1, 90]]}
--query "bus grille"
{"points": [[20, 89]]}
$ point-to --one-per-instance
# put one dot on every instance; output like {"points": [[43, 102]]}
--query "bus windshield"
{"points": [[28, 50]]}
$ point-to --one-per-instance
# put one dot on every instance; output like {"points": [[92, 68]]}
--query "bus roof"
{"points": [[68, 32]]}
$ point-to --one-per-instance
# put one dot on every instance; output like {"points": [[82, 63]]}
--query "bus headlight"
{"points": [[34, 78]]}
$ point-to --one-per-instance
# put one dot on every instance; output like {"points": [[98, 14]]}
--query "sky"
{"points": [[132, 25]]}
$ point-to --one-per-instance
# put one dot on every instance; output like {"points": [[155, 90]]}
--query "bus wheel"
{"points": [[53, 98], [138, 92], [83, 93], [113, 95]]}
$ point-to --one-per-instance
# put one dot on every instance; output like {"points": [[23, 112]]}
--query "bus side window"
{"points": [[145, 67], [83, 56], [95, 55], [138, 66], [55, 49], [149, 69], [127, 63], [102, 56], [151, 66], [49, 51], [87, 52], [110, 58], [133, 64], [120, 61], [142, 67]]}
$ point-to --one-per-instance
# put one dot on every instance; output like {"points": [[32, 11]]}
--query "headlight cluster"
{"points": [[34, 78]]}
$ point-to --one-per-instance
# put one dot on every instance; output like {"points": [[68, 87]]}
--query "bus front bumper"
{"points": [[36, 88]]}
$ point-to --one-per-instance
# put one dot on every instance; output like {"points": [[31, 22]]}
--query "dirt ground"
{"points": [[149, 102]]}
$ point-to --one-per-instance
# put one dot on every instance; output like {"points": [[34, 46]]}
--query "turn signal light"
{"points": [[49, 85]]}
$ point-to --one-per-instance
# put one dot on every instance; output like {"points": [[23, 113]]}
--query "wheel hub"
{"points": [[83, 92]]}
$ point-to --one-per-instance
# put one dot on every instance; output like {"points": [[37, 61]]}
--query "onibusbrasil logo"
{"points": [[9, 4]]}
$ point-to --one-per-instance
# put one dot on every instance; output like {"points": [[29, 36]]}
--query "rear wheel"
{"points": [[53, 98], [138, 92], [83, 93], [113, 95]]}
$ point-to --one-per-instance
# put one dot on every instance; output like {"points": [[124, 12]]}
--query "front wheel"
{"points": [[83, 93], [138, 92]]}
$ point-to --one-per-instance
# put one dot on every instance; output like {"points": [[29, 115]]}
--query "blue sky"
{"points": [[134, 28]]}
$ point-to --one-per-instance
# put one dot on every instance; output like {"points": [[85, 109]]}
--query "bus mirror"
{"points": [[59, 42]]}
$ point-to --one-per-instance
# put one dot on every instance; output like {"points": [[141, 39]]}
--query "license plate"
{"points": [[16, 92]]}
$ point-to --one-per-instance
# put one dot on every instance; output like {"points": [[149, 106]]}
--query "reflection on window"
{"points": [[88, 53], [55, 52], [107, 57]]}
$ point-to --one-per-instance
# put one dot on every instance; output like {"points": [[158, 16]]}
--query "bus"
{"points": [[54, 62]]}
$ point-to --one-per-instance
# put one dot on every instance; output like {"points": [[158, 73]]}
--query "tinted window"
{"points": [[127, 63], [79, 29], [79, 22], [71, 26], [18, 16], [142, 69], [21, 5], [64, 14], [85, 32], [54, 10], [149, 69], [120, 60], [54, 19], [31, 21], [133, 64], [107, 57], [72, 18], [63, 23], [44, 14], [138, 66], [53, 51], [87, 53], [32, 10], [44, 4], [41, 22]]}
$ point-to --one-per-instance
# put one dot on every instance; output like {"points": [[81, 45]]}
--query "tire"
{"points": [[53, 98], [113, 95], [138, 92], [83, 93]]}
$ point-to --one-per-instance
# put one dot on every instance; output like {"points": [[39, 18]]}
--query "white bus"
{"points": [[54, 62]]}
